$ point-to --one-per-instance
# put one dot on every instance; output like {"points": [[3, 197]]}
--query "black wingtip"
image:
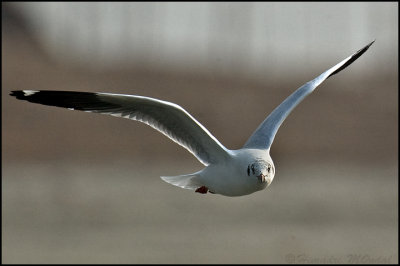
{"points": [[362, 50], [353, 58], [371, 43], [365, 48], [84, 101], [24, 94], [21, 95], [16, 93]]}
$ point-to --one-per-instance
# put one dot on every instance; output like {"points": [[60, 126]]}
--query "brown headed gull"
{"points": [[227, 172]]}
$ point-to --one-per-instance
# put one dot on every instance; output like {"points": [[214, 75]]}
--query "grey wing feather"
{"points": [[264, 135], [168, 118]]}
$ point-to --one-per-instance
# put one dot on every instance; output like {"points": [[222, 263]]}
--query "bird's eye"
{"points": [[248, 170], [269, 168]]}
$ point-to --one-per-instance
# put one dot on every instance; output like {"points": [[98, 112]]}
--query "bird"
{"points": [[227, 172]]}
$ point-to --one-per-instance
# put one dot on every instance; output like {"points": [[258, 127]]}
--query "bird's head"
{"points": [[264, 171]]}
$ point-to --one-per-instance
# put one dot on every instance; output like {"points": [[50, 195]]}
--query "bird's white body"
{"points": [[230, 178], [227, 172]]}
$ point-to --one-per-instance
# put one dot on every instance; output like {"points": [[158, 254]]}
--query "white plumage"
{"points": [[227, 172]]}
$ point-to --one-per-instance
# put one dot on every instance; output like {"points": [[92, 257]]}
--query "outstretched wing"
{"points": [[168, 118], [264, 135]]}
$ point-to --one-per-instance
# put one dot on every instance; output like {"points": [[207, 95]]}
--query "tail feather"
{"points": [[190, 181]]}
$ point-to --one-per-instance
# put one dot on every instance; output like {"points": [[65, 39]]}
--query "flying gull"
{"points": [[227, 172]]}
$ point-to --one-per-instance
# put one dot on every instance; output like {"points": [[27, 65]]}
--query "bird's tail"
{"points": [[189, 181]]}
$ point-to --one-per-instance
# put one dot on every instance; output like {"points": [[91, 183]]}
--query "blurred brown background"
{"points": [[85, 188]]}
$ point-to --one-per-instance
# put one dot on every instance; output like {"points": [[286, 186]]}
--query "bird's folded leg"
{"points": [[202, 190]]}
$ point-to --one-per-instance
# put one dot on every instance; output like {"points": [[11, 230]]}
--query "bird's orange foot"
{"points": [[202, 190]]}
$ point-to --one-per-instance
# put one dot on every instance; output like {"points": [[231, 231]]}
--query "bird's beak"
{"points": [[261, 177]]}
